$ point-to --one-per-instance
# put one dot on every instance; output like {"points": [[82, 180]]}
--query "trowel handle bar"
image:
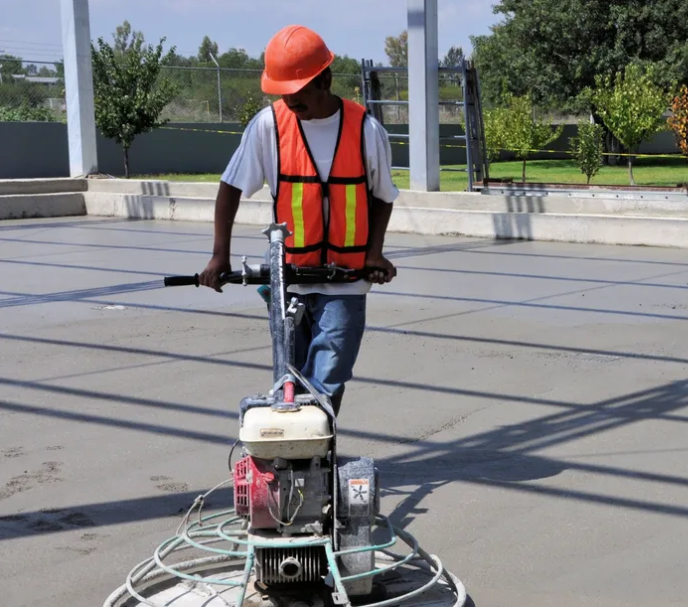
{"points": [[293, 276]]}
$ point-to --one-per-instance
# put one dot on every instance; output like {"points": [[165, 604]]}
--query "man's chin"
{"points": [[302, 114]]}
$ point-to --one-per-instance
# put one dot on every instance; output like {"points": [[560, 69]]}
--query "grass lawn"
{"points": [[647, 171]]}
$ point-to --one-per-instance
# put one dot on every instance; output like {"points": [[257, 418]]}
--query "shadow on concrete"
{"points": [[155, 188], [118, 247], [501, 457], [516, 222], [612, 283], [532, 304], [104, 514]]}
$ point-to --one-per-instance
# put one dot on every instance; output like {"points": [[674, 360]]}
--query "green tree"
{"points": [[554, 49], [126, 39], [130, 93], [396, 49], [453, 58], [632, 107], [10, 65], [523, 131], [495, 123], [346, 65], [207, 50], [678, 122], [26, 113], [587, 148]]}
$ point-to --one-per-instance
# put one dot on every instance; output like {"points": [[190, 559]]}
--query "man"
{"points": [[328, 166]]}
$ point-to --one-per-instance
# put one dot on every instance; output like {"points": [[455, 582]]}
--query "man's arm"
{"points": [[244, 175], [384, 192], [380, 212], [226, 206]]}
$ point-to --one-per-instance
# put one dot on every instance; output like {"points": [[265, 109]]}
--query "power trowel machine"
{"points": [[306, 528]]}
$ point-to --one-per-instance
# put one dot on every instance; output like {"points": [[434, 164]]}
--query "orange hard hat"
{"points": [[293, 57]]}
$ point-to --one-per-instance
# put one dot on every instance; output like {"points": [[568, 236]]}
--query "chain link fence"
{"points": [[229, 95], [31, 90], [395, 87], [34, 90]]}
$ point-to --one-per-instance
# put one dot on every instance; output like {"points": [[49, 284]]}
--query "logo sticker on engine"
{"points": [[359, 496], [271, 432]]}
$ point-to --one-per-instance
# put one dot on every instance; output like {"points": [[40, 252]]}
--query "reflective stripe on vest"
{"points": [[341, 235]]}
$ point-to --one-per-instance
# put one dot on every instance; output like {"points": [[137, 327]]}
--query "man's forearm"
{"points": [[380, 212], [226, 206]]}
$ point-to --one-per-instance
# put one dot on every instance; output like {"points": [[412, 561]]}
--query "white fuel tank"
{"points": [[301, 434]]}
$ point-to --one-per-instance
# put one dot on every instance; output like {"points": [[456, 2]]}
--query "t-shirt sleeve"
{"points": [[245, 169], [379, 159]]}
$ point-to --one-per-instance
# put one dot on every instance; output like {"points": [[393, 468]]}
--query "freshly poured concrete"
{"points": [[526, 404]]}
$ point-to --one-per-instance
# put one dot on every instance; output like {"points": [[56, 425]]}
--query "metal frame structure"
{"points": [[230, 567], [474, 137]]}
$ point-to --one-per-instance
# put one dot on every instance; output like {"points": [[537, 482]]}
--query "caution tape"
{"points": [[446, 145], [180, 128]]}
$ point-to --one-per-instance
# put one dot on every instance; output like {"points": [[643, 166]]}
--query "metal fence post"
{"points": [[219, 86]]}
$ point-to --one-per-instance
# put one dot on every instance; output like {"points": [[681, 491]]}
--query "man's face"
{"points": [[309, 101]]}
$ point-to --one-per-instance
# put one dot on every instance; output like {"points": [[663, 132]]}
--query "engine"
{"points": [[284, 486]]}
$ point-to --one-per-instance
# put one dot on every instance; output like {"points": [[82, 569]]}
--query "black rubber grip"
{"points": [[182, 281]]}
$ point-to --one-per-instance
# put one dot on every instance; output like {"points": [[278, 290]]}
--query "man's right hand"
{"points": [[210, 277]]}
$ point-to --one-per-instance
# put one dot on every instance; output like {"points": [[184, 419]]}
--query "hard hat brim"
{"points": [[289, 87]]}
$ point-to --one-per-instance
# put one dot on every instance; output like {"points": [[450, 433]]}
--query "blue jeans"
{"points": [[328, 340]]}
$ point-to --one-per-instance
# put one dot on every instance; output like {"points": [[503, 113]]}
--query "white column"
{"points": [[78, 76], [424, 114]]}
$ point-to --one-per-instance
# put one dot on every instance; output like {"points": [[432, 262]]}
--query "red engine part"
{"points": [[256, 491]]}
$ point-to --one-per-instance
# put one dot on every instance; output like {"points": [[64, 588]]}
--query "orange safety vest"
{"points": [[299, 201]]}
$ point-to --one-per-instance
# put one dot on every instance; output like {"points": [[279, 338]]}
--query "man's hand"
{"points": [[210, 277], [380, 261]]}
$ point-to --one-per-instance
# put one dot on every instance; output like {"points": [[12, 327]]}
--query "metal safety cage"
{"points": [[474, 138], [225, 569]]}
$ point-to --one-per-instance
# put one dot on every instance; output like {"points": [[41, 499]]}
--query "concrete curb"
{"points": [[605, 219], [21, 187], [25, 206], [560, 227]]}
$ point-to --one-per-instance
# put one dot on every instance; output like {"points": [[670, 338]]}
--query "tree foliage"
{"points": [[495, 124], [522, 132], [126, 39], [587, 148], [678, 122], [396, 49], [207, 50], [453, 57], [554, 49], [631, 106], [26, 113], [130, 93]]}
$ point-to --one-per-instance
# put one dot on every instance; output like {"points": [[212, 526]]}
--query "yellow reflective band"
{"points": [[350, 216], [297, 212]]}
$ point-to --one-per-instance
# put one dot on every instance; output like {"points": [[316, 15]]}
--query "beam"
{"points": [[424, 115], [78, 76]]}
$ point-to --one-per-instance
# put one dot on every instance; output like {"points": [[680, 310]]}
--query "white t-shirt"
{"points": [[255, 162]]}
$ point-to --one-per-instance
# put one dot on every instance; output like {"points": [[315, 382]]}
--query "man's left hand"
{"points": [[377, 276]]}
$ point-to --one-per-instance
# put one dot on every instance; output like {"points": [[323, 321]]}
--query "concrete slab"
{"points": [[526, 403]]}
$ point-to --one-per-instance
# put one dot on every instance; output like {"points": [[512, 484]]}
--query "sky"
{"points": [[358, 28]]}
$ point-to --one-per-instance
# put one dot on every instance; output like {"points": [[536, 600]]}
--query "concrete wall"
{"points": [[39, 149]]}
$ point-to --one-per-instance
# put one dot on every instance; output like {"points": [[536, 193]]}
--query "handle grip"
{"points": [[182, 281]]}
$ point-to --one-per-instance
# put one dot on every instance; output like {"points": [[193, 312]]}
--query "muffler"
{"points": [[290, 568]]}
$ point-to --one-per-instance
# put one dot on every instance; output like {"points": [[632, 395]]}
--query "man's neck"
{"points": [[329, 108]]}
